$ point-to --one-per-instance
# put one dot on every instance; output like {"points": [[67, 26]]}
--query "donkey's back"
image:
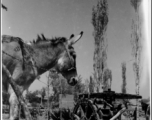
{"points": [[12, 56]]}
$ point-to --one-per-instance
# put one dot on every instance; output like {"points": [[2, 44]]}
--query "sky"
{"points": [[27, 18]]}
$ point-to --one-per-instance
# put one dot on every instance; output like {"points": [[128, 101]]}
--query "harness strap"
{"points": [[24, 63], [72, 66], [22, 51]]}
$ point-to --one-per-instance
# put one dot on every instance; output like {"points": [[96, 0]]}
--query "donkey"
{"points": [[26, 62]]}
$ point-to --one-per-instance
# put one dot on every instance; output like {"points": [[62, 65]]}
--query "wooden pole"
{"points": [[18, 94], [48, 98], [60, 100], [118, 114], [19, 111]]}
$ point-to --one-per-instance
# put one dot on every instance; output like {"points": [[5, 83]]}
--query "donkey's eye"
{"points": [[74, 55], [70, 47]]}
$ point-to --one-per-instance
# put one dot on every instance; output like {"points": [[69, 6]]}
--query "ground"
{"points": [[5, 117]]}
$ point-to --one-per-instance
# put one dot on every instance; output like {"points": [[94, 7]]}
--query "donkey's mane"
{"points": [[42, 39]]}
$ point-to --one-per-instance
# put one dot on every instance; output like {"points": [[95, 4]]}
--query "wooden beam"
{"points": [[18, 94]]}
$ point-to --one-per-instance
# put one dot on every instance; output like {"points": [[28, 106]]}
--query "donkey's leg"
{"points": [[14, 104], [14, 109]]}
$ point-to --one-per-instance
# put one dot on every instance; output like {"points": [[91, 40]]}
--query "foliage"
{"points": [[66, 114], [136, 43], [99, 22], [60, 86], [135, 3], [123, 88], [43, 92], [32, 97], [91, 85], [36, 97], [78, 88], [106, 76], [100, 17], [86, 88], [5, 98]]}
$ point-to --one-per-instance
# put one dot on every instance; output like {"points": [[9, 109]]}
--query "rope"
{"points": [[25, 63], [42, 82]]}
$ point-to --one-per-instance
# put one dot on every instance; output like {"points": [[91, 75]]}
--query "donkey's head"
{"points": [[57, 53], [66, 63]]}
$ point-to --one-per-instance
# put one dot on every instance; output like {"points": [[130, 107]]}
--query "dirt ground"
{"points": [[6, 117]]}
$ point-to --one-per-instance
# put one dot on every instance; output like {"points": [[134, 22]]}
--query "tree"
{"points": [[135, 4], [99, 22], [78, 88], [107, 79], [136, 43], [55, 82], [91, 85], [123, 88], [33, 98], [86, 89], [42, 92], [136, 46], [5, 98], [60, 86]]}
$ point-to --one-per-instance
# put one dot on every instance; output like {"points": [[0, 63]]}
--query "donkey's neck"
{"points": [[46, 57]]}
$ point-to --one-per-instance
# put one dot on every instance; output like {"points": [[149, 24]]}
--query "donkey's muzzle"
{"points": [[73, 81]]}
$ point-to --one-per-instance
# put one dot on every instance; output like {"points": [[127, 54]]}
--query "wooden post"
{"points": [[48, 98], [19, 111], [60, 101], [118, 114], [18, 94]]}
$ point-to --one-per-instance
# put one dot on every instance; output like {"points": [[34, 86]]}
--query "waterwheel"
{"points": [[86, 110], [100, 106]]}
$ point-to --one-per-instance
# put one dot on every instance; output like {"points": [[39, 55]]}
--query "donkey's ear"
{"points": [[73, 39]]}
